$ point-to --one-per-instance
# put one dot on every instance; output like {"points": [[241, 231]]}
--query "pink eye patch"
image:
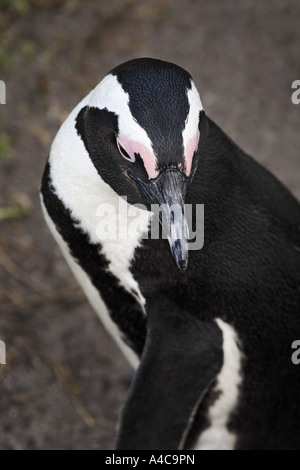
{"points": [[129, 148], [189, 152]]}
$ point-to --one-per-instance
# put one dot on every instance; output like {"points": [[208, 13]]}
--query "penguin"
{"points": [[209, 330]]}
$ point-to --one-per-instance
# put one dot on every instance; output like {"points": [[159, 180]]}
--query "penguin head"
{"points": [[143, 129]]}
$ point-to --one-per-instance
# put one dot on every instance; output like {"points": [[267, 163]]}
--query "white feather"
{"points": [[110, 95], [82, 191], [192, 120], [91, 292], [217, 436]]}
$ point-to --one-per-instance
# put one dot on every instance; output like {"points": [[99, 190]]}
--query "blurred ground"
{"points": [[65, 380]]}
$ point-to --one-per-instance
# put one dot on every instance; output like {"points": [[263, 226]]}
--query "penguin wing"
{"points": [[181, 358]]}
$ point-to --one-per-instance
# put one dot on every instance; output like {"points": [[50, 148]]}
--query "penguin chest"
{"points": [[217, 435], [120, 229], [99, 245]]}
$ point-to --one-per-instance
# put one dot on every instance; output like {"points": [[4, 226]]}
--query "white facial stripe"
{"points": [[190, 150], [192, 121], [190, 133], [110, 95], [81, 189]]}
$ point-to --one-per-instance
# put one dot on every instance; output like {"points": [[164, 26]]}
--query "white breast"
{"points": [[91, 292], [79, 186], [217, 436]]}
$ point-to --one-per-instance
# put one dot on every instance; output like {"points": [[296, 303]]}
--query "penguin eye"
{"points": [[124, 153]]}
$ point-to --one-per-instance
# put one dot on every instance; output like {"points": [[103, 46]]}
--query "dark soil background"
{"points": [[65, 380]]}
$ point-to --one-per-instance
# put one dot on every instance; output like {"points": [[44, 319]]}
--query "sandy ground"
{"points": [[65, 380]]}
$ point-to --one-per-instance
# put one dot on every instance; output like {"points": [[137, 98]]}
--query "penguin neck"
{"points": [[94, 206]]}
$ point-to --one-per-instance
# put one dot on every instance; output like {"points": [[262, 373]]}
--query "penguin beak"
{"points": [[166, 194]]}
